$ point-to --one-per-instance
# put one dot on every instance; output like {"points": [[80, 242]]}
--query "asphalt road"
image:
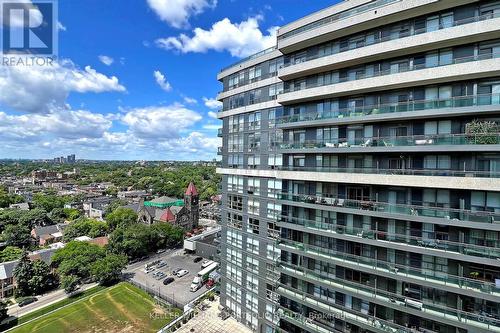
{"points": [[177, 290], [43, 301]]}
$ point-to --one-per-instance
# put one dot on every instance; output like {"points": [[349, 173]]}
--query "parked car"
{"points": [[175, 271], [182, 272], [148, 270], [197, 259], [168, 280], [27, 301], [160, 276], [161, 264]]}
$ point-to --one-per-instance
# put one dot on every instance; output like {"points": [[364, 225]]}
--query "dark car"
{"points": [[27, 301], [197, 259], [168, 280]]}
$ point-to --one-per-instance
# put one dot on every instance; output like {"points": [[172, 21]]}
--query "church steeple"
{"points": [[192, 204]]}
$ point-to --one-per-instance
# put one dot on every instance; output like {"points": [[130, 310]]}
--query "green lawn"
{"points": [[121, 308]]}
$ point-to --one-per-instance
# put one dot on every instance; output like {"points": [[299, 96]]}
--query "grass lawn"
{"points": [[121, 308]]}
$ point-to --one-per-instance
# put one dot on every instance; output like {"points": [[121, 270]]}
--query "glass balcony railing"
{"points": [[356, 44], [431, 104], [412, 210], [403, 141], [250, 57], [407, 172], [316, 323], [219, 132], [385, 237], [427, 306], [337, 17], [340, 311], [430, 276], [400, 69]]}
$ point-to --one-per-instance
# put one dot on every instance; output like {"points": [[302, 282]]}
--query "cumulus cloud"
{"points": [[239, 39], [212, 103], [160, 121], [106, 60], [177, 12], [190, 100], [162, 81], [212, 114], [39, 89]]}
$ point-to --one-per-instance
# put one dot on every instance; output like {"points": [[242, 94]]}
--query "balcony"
{"points": [[458, 215], [382, 111], [408, 172], [219, 132], [388, 144], [338, 311], [478, 288], [220, 150], [314, 324], [399, 302], [356, 44], [380, 238], [479, 66]]}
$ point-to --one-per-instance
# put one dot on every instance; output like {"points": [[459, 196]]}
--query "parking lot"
{"points": [[178, 291]]}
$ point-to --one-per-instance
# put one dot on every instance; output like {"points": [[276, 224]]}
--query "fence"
{"points": [[156, 292]]}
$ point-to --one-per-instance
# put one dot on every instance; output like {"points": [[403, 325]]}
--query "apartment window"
{"points": [[254, 96], [253, 142], [236, 123], [275, 89], [234, 238], [274, 65], [273, 231], [252, 284], [235, 220], [275, 139], [253, 161], [235, 183], [233, 273], [436, 198], [235, 161], [485, 201], [437, 127], [235, 202], [253, 264], [253, 186], [254, 121], [234, 256], [254, 74], [252, 245], [235, 143], [273, 210], [274, 187], [253, 206], [442, 162], [253, 225], [275, 161]]}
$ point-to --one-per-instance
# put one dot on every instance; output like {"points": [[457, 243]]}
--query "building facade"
{"points": [[360, 163]]}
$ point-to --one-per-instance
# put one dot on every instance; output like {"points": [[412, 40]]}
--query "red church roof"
{"points": [[191, 190], [167, 216]]}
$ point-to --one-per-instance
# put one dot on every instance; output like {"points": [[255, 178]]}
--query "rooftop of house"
{"points": [[48, 230]]}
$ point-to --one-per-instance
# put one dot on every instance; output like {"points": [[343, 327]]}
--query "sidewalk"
{"points": [[43, 301]]}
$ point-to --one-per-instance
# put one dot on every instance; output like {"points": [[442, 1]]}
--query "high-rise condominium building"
{"points": [[361, 164]]}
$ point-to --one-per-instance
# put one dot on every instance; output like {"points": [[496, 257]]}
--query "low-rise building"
{"points": [[48, 234]]}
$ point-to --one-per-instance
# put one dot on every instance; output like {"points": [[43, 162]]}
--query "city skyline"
{"points": [[142, 91]]}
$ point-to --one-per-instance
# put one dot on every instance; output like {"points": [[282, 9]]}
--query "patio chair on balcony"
{"points": [[367, 143], [340, 202]]}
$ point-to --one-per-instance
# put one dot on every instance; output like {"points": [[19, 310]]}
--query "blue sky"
{"points": [[136, 79]]}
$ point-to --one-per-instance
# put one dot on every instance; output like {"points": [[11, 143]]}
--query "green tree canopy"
{"points": [[121, 217], [23, 273], [76, 258], [108, 269], [10, 253], [85, 227], [18, 235]]}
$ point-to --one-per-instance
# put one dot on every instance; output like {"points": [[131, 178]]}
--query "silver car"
{"points": [[182, 272]]}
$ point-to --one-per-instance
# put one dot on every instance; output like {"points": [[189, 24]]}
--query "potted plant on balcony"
{"points": [[482, 132], [474, 275]]}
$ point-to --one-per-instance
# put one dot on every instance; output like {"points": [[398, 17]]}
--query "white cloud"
{"points": [[162, 81], [239, 39], [212, 114], [160, 122], [190, 100], [42, 88], [177, 12], [212, 103], [211, 127], [106, 60]]}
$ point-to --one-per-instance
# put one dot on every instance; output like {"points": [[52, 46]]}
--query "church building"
{"points": [[184, 213]]}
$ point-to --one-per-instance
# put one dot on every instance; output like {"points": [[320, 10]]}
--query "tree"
{"points": [[48, 201], [133, 241], [108, 269], [17, 235], [41, 279], [23, 273], [3, 310], [165, 235], [69, 283], [85, 227], [72, 213], [76, 259], [121, 217], [10, 253], [34, 218]]}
